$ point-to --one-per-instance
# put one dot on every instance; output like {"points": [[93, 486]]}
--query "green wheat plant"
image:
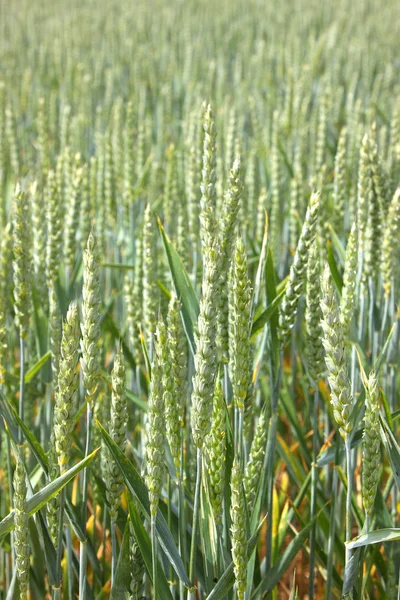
{"points": [[199, 300]]}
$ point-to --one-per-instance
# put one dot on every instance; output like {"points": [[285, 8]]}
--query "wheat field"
{"points": [[199, 287]]}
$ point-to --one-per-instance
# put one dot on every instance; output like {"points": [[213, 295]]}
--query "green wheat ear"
{"points": [[90, 325], [314, 347], [21, 262], [238, 530], [215, 453], [175, 381], [348, 298], [288, 310], [67, 387], [255, 462], [240, 295], [208, 181], [205, 360], [335, 355], [156, 423], [21, 532], [371, 465], [114, 479]]}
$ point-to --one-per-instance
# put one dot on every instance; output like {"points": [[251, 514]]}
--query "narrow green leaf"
{"points": [[110, 325], [351, 573], [137, 400], [282, 564], [379, 361], [70, 509], [38, 500], [337, 278], [144, 544], [268, 313], [48, 548], [122, 580], [183, 288], [146, 356], [386, 408], [30, 438], [13, 590], [38, 564], [118, 266], [337, 244], [138, 489], [392, 449], [164, 289], [391, 534], [37, 366], [261, 267], [40, 323]]}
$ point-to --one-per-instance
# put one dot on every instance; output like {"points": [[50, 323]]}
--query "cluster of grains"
{"points": [[215, 453], [113, 477], [238, 530], [315, 351], [335, 355], [200, 288], [239, 325], [90, 325], [67, 387], [205, 360], [156, 426], [297, 273], [255, 462], [371, 444], [175, 385], [21, 262], [21, 531]]}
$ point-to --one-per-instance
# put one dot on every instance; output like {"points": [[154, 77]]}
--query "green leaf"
{"points": [[70, 509], [337, 244], [270, 281], [37, 366], [144, 544], [274, 575], [13, 592], [118, 266], [138, 489], [164, 289], [226, 583], [110, 325], [48, 548], [137, 400], [30, 438], [261, 267], [146, 356], [333, 267], [265, 316], [38, 500], [40, 323], [183, 288], [122, 580], [272, 293], [391, 534], [382, 355], [392, 449], [38, 564], [386, 408], [351, 573]]}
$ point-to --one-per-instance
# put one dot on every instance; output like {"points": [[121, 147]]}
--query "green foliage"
{"points": [[199, 262]]}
